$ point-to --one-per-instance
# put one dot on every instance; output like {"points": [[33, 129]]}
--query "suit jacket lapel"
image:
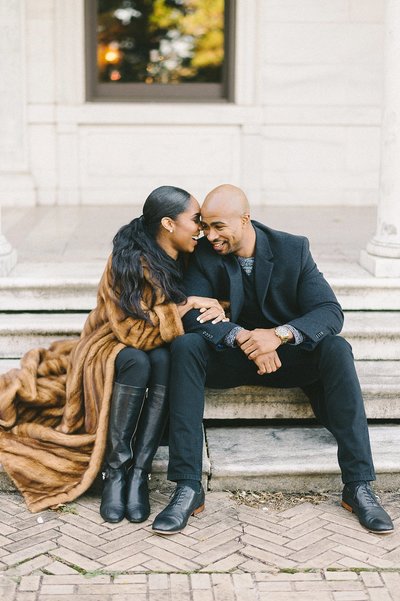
{"points": [[236, 285], [263, 266]]}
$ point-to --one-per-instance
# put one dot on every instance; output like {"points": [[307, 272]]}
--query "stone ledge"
{"points": [[292, 459], [380, 383], [71, 285], [373, 335]]}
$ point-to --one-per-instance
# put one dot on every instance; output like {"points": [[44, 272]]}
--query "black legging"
{"points": [[142, 369]]}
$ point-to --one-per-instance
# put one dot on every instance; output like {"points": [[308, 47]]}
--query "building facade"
{"points": [[302, 126]]}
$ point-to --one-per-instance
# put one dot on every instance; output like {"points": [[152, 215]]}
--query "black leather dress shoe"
{"points": [[184, 503], [360, 499]]}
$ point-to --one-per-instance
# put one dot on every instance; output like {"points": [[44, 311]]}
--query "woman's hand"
{"points": [[210, 309], [213, 314]]}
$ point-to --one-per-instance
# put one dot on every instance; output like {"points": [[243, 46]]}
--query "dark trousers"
{"points": [[327, 375], [142, 369]]}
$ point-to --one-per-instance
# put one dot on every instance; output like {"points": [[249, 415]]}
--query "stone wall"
{"points": [[304, 129]]}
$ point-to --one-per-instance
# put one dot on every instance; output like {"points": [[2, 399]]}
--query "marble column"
{"points": [[12, 159], [382, 256], [8, 255]]}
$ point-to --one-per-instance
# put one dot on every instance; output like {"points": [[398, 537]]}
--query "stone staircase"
{"points": [[283, 449]]}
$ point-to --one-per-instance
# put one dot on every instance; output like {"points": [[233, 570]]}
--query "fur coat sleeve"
{"points": [[164, 317], [54, 409]]}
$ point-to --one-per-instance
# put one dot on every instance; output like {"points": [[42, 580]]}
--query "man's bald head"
{"points": [[225, 216], [228, 199]]}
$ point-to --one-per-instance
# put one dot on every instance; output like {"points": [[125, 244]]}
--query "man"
{"points": [[284, 321]]}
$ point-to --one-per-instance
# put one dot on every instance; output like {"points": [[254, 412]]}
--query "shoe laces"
{"points": [[176, 496], [368, 496]]}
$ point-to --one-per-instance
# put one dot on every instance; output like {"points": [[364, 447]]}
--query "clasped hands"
{"points": [[260, 346]]}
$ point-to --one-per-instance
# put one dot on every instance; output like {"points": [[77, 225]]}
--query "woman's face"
{"points": [[186, 228]]}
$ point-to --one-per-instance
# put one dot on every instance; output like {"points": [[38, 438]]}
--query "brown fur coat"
{"points": [[54, 409]]}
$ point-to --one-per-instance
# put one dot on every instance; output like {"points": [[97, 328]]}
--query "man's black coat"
{"points": [[290, 289]]}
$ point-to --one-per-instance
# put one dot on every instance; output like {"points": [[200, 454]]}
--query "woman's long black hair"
{"points": [[136, 241]]}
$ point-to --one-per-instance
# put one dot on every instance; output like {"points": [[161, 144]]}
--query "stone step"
{"points": [[289, 459], [48, 294], [292, 459], [20, 332], [51, 286], [72, 286], [6, 364], [78, 294], [380, 383], [367, 294], [373, 335]]}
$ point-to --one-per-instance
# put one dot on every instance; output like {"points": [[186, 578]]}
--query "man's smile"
{"points": [[218, 245]]}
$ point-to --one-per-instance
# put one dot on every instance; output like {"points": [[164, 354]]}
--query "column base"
{"points": [[380, 267], [7, 262]]}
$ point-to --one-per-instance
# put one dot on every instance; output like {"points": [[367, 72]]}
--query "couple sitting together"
{"points": [[158, 335]]}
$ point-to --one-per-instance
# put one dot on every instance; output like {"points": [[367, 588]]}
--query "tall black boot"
{"points": [[148, 435], [126, 404]]}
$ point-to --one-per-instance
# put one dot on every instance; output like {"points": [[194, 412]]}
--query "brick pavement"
{"points": [[230, 552]]}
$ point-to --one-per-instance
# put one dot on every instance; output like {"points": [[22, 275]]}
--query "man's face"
{"points": [[224, 232]]}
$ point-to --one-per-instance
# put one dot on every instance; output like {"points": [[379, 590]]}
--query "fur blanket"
{"points": [[54, 409]]}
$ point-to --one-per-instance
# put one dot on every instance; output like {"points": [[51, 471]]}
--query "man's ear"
{"points": [[245, 218]]}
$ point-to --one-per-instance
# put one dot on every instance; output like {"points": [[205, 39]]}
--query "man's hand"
{"points": [[258, 342], [267, 363]]}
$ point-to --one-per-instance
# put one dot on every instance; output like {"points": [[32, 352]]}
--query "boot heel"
{"points": [[199, 509], [348, 507]]}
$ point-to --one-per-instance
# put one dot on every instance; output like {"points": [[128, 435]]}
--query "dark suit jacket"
{"points": [[290, 289]]}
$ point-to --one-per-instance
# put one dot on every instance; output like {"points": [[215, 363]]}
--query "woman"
{"points": [[146, 275], [58, 411]]}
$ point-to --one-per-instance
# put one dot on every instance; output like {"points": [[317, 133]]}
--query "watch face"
{"points": [[282, 331]]}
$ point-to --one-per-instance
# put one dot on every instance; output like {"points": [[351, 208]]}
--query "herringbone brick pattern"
{"points": [[229, 552]]}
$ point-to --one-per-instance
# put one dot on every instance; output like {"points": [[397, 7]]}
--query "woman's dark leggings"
{"points": [[142, 369]]}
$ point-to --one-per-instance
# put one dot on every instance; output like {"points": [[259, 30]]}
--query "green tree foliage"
{"points": [[165, 41]]}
